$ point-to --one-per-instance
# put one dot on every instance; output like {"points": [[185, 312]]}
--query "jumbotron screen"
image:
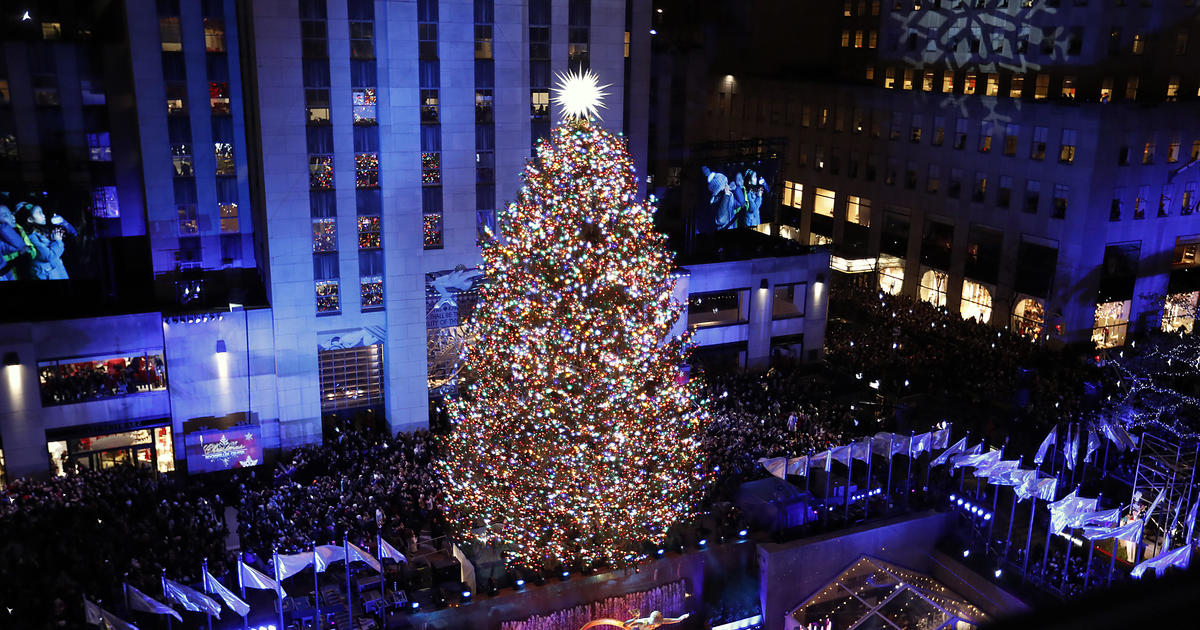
{"points": [[226, 449]]}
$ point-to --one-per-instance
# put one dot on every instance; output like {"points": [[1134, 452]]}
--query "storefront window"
{"points": [[788, 300], [351, 377], [65, 382], [933, 287], [891, 278], [715, 309], [1112, 322], [145, 448], [1179, 312], [1029, 318], [976, 302]]}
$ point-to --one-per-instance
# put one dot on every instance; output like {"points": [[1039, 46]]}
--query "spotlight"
{"points": [[742, 533], [416, 606], [703, 543], [660, 551], [520, 583], [959, 501], [466, 595], [566, 574], [987, 517], [952, 498], [966, 552], [996, 573]]}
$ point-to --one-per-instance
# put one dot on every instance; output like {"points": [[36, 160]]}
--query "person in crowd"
{"points": [[756, 190], [46, 235], [14, 245]]}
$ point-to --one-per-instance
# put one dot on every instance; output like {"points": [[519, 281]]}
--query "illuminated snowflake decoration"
{"points": [[579, 95]]}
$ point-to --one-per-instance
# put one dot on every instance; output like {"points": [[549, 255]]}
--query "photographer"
{"points": [[14, 245], [47, 240]]}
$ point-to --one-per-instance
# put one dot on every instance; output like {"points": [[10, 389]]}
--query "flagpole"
{"points": [[828, 476], [163, 583], [349, 588], [908, 474], [278, 586], [316, 587], [1032, 511], [995, 499], [849, 479], [963, 474], [888, 503], [1012, 514], [867, 496], [204, 582], [125, 592], [1046, 550], [383, 578], [1112, 561], [243, 587]]}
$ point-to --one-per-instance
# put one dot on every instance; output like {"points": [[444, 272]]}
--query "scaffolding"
{"points": [[1166, 465]]}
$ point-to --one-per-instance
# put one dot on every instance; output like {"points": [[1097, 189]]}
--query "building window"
{"points": [[1173, 151], [993, 85], [947, 81], [368, 233], [1106, 89], [891, 278], [1131, 88], [324, 232], [1179, 312], [431, 168], [979, 193], [229, 217], [845, 39], [1114, 207], [1029, 318], [788, 300], [320, 172], [316, 104], [1068, 87], [362, 40], [939, 131], [985, 136], [1186, 201], [364, 106], [908, 79], [104, 202], [1172, 87], [1111, 323], [371, 292], [1148, 152], [933, 179], [976, 302], [328, 301], [960, 133], [889, 78], [720, 308], [171, 33], [1038, 150], [933, 287], [858, 210], [176, 98], [99, 147], [1139, 44], [188, 224], [432, 230], [1066, 152], [225, 162], [1004, 192], [955, 189], [1061, 193], [1016, 86], [351, 377], [969, 83], [823, 202], [539, 104], [793, 194], [314, 39], [214, 35], [366, 170], [181, 159], [1033, 191], [483, 41], [1041, 87], [218, 97]]}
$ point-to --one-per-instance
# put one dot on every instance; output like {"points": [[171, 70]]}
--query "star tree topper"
{"points": [[579, 94]]}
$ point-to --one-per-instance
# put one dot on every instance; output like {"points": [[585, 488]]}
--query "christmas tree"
{"points": [[574, 437]]}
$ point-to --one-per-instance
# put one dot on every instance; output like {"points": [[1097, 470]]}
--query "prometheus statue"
{"points": [[655, 620]]}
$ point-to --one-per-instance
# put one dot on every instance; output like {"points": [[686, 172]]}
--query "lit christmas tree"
{"points": [[574, 437]]}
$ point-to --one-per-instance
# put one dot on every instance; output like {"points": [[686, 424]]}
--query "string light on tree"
{"points": [[574, 437]]}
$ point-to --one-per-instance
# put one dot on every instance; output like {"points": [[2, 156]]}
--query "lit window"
{"points": [[1140, 203], [1188, 200], [933, 179], [1111, 324], [1029, 318], [788, 300], [539, 104], [351, 377], [823, 202], [1041, 87], [872, 39], [229, 217], [845, 39], [99, 147], [316, 104], [947, 81], [858, 39], [430, 106], [171, 33], [104, 202], [908, 78], [1131, 88], [1106, 89], [431, 168], [1068, 87], [368, 233], [188, 224], [1016, 86], [993, 84], [484, 107], [432, 230], [969, 83], [371, 291], [1066, 152], [976, 302], [891, 278], [1173, 87], [327, 297], [366, 170], [793, 194], [1148, 152], [716, 309], [176, 98], [364, 106], [225, 161], [218, 97], [889, 78], [51, 30], [858, 210], [1173, 150], [1139, 44], [927, 80], [320, 172], [324, 232], [985, 136], [214, 35], [933, 287], [1179, 311], [1061, 194]]}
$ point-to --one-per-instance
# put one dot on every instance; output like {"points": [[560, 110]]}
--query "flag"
{"points": [[191, 599], [900, 444], [290, 565], [777, 466], [1118, 435], [1150, 512], [941, 438], [211, 585], [841, 454], [248, 576], [1024, 483], [328, 554], [466, 569], [1107, 518], [798, 466], [143, 602], [1179, 557], [360, 555], [1003, 473], [1070, 447], [388, 551], [1131, 532], [1047, 443], [948, 453], [1070, 511], [861, 450], [1047, 488], [956, 460], [920, 443], [978, 460], [999, 467], [881, 444], [94, 614], [1093, 443], [1191, 522]]}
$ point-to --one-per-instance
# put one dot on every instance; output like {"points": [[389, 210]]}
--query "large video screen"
{"points": [[212, 451], [736, 191], [44, 236]]}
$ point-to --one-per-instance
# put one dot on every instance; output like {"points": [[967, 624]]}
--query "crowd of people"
{"points": [[89, 380], [86, 533]]}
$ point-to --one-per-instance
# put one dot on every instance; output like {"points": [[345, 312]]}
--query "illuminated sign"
{"points": [[210, 451]]}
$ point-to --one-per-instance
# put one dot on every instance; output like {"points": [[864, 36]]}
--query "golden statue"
{"points": [[655, 620]]}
